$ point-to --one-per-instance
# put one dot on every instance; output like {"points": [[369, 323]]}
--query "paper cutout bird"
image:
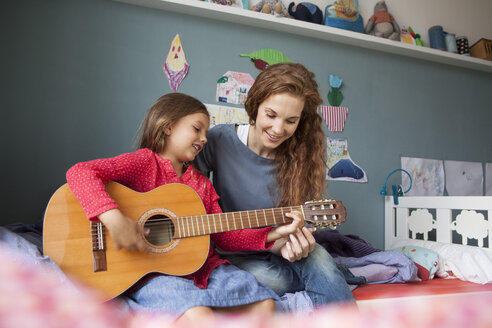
{"points": [[175, 67]]}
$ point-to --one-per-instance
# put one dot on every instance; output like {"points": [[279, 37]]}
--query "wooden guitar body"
{"points": [[68, 237]]}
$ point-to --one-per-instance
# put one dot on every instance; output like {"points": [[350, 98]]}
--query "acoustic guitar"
{"points": [[177, 244]]}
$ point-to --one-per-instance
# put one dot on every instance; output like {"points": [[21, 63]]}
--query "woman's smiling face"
{"points": [[277, 120]]}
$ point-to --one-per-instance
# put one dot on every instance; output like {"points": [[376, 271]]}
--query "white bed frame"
{"points": [[441, 215], [440, 218]]}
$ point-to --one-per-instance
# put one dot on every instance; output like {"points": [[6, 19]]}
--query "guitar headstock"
{"points": [[324, 213]]}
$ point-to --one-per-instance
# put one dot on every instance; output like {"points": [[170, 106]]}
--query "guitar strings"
{"points": [[221, 220], [192, 226]]}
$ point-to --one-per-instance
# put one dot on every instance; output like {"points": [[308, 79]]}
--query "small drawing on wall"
{"points": [[427, 176], [463, 178], [226, 115], [175, 67], [233, 87], [340, 165], [488, 179]]}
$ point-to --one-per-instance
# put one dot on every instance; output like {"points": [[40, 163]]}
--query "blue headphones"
{"points": [[397, 190]]}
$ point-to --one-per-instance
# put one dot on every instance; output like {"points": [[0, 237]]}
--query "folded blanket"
{"points": [[338, 244], [407, 271], [30, 252]]}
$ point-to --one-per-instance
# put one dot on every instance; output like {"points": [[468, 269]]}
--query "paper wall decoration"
{"points": [[488, 179], [341, 167], [175, 67], [233, 87], [335, 96], [463, 178], [427, 176], [334, 117], [226, 115], [266, 57]]}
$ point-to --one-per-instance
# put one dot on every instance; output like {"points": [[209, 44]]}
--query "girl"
{"points": [[172, 134], [277, 160]]}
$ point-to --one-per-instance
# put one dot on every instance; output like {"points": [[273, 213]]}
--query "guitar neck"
{"points": [[197, 225]]}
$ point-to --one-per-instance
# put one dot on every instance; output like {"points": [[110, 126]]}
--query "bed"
{"points": [[36, 294], [457, 229]]}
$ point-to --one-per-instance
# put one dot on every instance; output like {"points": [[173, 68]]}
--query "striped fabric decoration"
{"points": [[334, 117]]}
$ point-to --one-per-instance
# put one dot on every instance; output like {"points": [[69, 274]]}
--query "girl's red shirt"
{"points": [[143, 171]]}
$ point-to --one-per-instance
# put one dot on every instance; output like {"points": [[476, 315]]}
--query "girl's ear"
{"points": [[167, 130]]}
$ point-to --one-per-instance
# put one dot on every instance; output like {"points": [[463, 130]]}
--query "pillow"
{"points": [[469, 263], [425, 259]]}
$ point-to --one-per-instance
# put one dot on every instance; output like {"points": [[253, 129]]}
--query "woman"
{"points": [[277, 160]]}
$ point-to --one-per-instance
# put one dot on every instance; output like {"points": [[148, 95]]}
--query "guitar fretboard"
{"points": [[197, 225]]}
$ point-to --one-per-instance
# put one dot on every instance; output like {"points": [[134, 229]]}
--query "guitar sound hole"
{"points": [[161, 230]]}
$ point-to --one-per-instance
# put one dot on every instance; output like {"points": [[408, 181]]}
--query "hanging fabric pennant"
{"points": [[334, 117], [175, 67]]}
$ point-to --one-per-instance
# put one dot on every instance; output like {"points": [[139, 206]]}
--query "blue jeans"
{"points": [[317, 274]]}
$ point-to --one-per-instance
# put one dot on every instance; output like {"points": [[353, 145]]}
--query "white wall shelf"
{"points": [[322, 32]]}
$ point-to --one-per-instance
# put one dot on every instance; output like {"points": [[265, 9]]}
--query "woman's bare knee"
{"points": [[264, 307], [261, 307], [194, 313]]}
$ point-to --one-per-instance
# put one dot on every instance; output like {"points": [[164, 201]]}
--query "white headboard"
{"points": [[469, 217]]}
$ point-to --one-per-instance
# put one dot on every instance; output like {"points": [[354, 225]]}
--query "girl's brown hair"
{"points": [[301, 159], [162, 115]]}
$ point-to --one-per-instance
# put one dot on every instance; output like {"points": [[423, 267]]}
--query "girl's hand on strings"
{"points": [[125, 232]]}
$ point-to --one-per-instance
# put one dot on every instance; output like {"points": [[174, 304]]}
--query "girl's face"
{"points": [[185, 139], [277, 120]]}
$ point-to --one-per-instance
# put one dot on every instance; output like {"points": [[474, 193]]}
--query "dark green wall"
{"points": [[78, 75]]}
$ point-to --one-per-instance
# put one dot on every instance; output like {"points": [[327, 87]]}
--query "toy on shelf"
{"points": [[407, 35], [274, 7], [416, 37], [382, 23], [306, 11], [231, 3], [344, 14]]}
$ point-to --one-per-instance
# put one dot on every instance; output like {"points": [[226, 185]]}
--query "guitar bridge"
{"points": [[99, 261], [98, 247]]}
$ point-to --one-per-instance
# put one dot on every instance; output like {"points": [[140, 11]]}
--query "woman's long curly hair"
{"points": [[301, 159]]}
